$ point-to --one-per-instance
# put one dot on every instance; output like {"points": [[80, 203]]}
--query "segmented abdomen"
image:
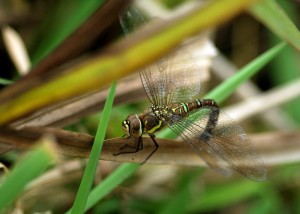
{"points": [[183, 109]]}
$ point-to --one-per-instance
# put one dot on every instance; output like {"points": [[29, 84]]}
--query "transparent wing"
{"points": [[220, 142], [184, 74], [175, 78]]}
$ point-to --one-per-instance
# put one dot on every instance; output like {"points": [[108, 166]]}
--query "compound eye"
{"points": [[125, 126], [132, 125]]}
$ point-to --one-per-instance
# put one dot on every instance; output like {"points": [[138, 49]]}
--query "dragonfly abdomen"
{"points": [[184, 109]]}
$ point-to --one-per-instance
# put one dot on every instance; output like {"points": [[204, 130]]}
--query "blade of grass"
{"points": [[31, 166], [90, 170], [272, 15]]}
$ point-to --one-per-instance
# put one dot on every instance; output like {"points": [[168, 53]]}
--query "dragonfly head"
{"points": [[132, 126]]}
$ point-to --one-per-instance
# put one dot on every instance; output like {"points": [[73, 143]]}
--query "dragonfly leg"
{"points": [[152, 136], [138, 146]]}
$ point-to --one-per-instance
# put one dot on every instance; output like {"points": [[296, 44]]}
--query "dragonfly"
{"points": [[171, 85]]}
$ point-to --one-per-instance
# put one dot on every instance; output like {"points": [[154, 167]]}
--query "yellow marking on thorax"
{"points": [[155, 127]]}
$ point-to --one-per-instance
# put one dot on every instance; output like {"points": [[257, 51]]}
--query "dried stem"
{"points": [[275, 148]]}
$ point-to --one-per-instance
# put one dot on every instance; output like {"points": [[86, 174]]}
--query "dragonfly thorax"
{"points": [[159, 111], [148, 122], [152, 120]]}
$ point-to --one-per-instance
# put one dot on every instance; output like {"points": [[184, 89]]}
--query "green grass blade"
{"points": [[225, 89], [30, 167], [90, 170], [5, 81], [272, 15]]}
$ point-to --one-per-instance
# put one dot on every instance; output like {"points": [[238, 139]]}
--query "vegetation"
{"points": [[50, 115]]}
